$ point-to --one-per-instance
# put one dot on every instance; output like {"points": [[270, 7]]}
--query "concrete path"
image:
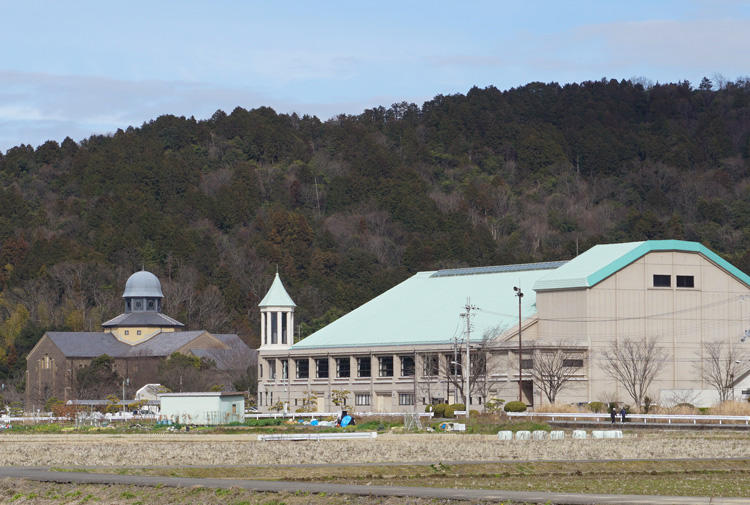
{"points": [[45, 475]]}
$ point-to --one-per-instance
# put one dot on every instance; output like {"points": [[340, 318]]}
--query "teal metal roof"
{"points": [[426, 308], [601, 261], [277, 295]]}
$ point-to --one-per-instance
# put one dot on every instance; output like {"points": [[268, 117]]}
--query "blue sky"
{"points": [[79, 68]]}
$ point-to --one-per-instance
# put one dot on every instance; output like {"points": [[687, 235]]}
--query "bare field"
{"points": [[205, 450]]}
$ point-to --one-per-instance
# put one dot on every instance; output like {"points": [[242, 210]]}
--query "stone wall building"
{"points": [[137, 340]]}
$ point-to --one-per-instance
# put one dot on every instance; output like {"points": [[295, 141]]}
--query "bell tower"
{"points": [[276, 317]]}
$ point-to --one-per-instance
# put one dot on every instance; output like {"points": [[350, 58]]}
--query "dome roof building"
{"points": [[137, 340]]}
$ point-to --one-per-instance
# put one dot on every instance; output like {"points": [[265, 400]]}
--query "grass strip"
{"points": [[728, 478]]}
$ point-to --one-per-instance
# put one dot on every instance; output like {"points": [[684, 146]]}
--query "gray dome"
{"points": [[143, 285]]}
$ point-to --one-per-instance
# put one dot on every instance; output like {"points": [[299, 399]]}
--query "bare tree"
{"points": [[553, 369], [483, 368], [634, 364], [721, 364]]}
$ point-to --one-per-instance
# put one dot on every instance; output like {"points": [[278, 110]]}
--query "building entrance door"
{"points": [[382, 402], [527, 392]]}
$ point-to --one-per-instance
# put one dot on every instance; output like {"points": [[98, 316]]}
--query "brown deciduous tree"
{"points": [[553, 369], [722, 362], [634, 364]]}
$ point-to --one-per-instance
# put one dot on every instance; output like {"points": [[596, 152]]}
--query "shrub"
{"points": [[448, 412], [494, 405], [439, 409], [458, 406], [515, 406], [429, 408], [596, 407], [473, 413]]}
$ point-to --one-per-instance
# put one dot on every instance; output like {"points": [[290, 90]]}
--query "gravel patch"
{"points": [[201, 450]]}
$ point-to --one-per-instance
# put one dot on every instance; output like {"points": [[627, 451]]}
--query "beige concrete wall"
{"points": [[627, 305]]}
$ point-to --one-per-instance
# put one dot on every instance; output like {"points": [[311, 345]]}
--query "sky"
{"points": [[73, 69]]}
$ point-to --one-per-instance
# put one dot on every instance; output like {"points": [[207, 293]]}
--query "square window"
{"points": [[363, 367], [342, 367], [407, 366], [685, 281], [386, 366], [431, 364], [138, 332], [662, 281], [127, 332]]}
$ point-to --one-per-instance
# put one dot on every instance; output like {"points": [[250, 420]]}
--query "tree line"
{"points": [[348, 207]]}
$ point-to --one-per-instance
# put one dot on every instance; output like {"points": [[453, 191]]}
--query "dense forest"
{"points": [[348, 207]]}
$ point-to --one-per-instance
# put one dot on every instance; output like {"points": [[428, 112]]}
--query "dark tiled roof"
{"points": [[79, 344], [164, 343], [142, 319], [88, 344]]}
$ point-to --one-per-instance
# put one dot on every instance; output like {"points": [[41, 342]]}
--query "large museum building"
{"points": [[406, 348]]}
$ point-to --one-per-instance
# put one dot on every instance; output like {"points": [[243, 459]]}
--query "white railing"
{"points": [[281, 415], [645, 418], [346, 435], [127, 416]]}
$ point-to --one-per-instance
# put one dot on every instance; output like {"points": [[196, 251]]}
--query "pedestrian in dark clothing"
{"points": [[622, 414], [613, 415]]}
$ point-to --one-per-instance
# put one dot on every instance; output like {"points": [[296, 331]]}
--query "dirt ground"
{"points": [[201, 450]]}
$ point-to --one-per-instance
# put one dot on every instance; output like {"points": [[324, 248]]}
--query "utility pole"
{"points": [[519, 294], [467, 370]]}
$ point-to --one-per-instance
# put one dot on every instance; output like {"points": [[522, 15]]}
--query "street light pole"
{"points": [[519, 294]]}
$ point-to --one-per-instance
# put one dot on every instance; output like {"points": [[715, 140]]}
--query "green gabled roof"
{"points": [[425, 308], [601, 261], [277, 295]]}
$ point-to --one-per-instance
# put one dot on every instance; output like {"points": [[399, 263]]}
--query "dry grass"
{"points": [[204, 450], [731, 409]]}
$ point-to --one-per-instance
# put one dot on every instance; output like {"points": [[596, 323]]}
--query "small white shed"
{"points": [[210, 408]]}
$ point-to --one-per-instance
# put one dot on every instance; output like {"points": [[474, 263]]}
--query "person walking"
{"points": [[613, 415], [623, 412]]}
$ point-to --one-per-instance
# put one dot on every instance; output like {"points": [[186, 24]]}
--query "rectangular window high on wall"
{"points": [[303, 368], [284, 369], [283, 328], [685, 281], [363, 367], [431, 364], [455, 363], [407, 366], [274, 328], [386, 366], [321, 368], [342, 367], [662, 281], [272, 369]]}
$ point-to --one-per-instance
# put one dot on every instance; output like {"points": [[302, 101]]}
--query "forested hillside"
{"points": [[348, 207]]}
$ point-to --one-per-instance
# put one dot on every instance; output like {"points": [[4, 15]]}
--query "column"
{"points": [[278, 327], [289, 328]]}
